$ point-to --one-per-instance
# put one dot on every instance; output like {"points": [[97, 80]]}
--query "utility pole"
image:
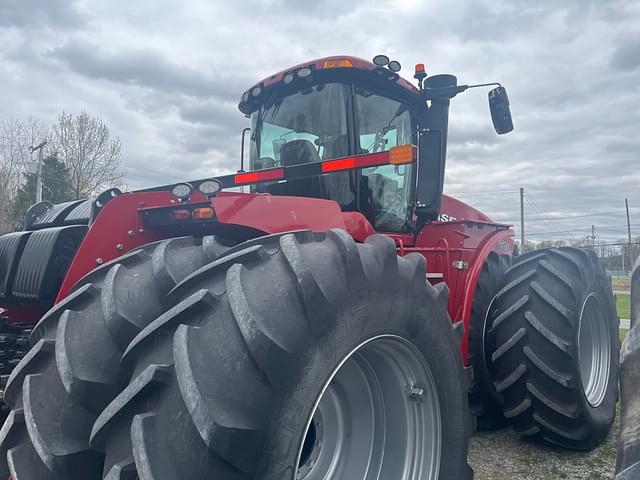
{"points": [[522, 219], [626, 204], [40, 149], [593, 237]]}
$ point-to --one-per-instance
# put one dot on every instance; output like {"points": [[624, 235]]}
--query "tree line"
{"points": [[81, 158], [616, 255]]}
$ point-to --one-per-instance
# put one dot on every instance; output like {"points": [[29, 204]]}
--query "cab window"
{"points": [[308, 126], [386, 191]]}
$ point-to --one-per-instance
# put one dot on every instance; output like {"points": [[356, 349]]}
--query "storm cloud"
{"points": [[166, 76]]}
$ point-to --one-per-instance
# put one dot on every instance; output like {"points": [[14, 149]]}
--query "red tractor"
{"points": [[303, 330]]}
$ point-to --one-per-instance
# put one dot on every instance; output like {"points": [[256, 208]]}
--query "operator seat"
{"points": [[296, 152], [337, 185]]}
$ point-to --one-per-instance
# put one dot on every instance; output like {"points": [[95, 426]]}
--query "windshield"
{"points": [[312, 126], [308, 126], [384, 123]]}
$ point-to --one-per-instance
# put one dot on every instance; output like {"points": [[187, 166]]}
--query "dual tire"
{"points": [[484, 402], [553, 351]]}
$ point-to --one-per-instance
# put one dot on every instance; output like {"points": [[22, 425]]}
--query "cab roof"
{"points": [[337, 64]]}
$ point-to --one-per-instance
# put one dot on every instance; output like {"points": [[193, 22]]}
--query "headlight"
{"points": [[182, 191], [210, 187], [304, 72], [288, 78], [381, 60], [394, 66]]}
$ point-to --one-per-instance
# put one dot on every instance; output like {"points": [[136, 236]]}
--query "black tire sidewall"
{"points": [[554, 283], [362, 319], [489, 283]]}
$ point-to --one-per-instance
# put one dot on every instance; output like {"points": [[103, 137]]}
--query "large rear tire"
{"points": [[73, 370], [14, 343], [555, 360], [628, 462], [300, 357], [483, 400]]}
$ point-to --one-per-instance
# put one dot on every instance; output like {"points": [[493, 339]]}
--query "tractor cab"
{"points": [[342, 107], [335, 116]]}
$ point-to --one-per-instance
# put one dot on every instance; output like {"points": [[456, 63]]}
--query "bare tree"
{"points": [[16, 136], [85, 146]]}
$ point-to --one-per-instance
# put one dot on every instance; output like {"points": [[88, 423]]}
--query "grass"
{"points": [[623, 305], [621, 283]]}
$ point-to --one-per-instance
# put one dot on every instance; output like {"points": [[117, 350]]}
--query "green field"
{"points": [[621, 283], [623, 305]]}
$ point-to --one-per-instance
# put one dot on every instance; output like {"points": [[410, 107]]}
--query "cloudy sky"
{"points": [[166, 75]]}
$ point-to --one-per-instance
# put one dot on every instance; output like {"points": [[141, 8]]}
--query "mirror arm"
{"points": [[442, 92], [484, 85], [450, 92]]}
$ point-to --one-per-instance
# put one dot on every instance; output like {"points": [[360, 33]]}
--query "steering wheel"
{"points": [[380, 143]]}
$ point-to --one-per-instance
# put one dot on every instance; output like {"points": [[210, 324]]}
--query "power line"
{"points": [[562, 218], [538, 206], [483, 192], [609, 244], [535, 208], [583, 229], [570, 217]]}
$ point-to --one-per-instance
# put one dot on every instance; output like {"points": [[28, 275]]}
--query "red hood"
{"points": [[453, 209]]}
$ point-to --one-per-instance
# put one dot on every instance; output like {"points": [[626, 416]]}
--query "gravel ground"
{"points": [[502, 455]]}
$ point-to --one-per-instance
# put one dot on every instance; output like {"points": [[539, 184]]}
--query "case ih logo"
{"points": [[504, 246], [443, 217]]}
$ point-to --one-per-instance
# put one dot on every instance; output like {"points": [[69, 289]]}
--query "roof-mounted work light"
{"points": [[394, 66], [381, 60]]}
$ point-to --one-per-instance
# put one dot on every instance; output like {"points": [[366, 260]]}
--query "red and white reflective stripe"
{"points": [[350, 163], [400, 155], [397, 155], [259, 176]]}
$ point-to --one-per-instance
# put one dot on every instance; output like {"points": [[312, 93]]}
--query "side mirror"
{"points": [[500, 110]]}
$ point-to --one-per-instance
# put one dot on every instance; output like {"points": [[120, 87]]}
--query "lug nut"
{"points": [[416, 393]]}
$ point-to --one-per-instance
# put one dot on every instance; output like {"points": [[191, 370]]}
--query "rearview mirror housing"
{"points": [[500, 110], [428, 194]]}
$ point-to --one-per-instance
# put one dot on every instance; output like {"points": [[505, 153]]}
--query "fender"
{"points": [[500, 242], [455, 253], [120, 228]]}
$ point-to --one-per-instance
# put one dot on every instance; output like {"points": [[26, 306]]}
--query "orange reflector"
{"points": [[402, 154], [202, 213], [341, 62], [260, 176]]}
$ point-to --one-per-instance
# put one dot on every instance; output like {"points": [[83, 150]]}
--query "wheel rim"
{"points": [[378, 417], [594, 350]]}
